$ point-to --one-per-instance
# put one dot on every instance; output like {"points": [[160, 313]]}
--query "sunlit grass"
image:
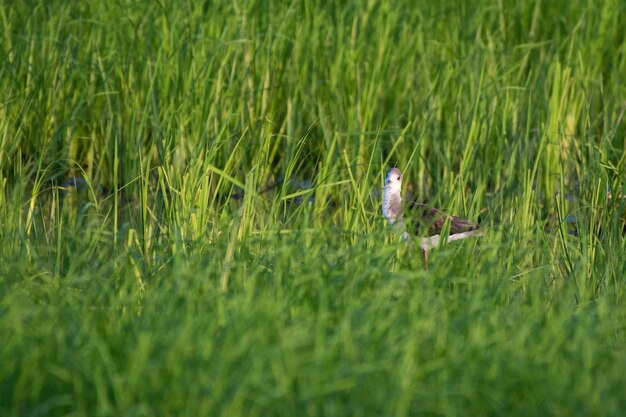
{"points": [[190, 215]]}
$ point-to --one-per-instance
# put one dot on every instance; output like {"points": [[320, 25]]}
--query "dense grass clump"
{"points": [[190, 208]]}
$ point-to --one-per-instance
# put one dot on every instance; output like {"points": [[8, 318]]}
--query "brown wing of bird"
{"points": [[425, 218]]}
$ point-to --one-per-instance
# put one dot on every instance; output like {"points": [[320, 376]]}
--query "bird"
{"points": [[422, 220]]}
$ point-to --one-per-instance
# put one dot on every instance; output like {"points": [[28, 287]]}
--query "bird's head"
{"points": [[393, 180]]}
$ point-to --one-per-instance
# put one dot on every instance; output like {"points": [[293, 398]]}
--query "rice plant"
{"points": [[190, 208]]}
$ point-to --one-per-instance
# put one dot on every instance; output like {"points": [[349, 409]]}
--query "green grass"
{"points": [[221, 249]]}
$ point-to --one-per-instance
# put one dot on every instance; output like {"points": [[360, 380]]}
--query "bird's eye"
{"points": [[398, 178]]}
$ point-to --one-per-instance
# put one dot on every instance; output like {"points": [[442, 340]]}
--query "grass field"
{"points": [[190, 218]]}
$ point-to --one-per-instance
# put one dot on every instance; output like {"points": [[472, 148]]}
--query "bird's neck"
{"points": [[392, 204]]}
